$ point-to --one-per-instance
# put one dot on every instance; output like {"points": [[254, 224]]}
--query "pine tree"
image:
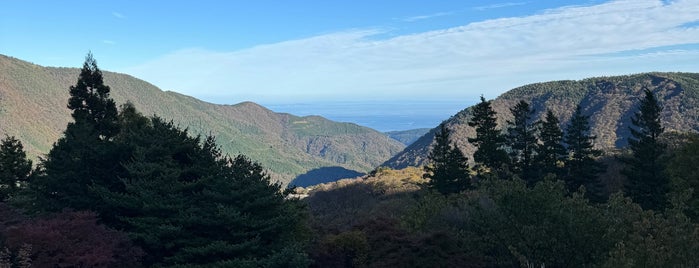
{"points": [[448, 167], [14, 167], [85, 155], [489, 141], [522, 141], [582, 169], [550, 152], [647, 183]]}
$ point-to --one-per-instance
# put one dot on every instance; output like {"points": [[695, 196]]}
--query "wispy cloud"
{"points": [[118, 15], [461, 62], [108, 42], [429, 16], [499, 5]]}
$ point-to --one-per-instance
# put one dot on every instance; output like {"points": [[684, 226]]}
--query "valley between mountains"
{"points": [[33, 108], [314, 149]]}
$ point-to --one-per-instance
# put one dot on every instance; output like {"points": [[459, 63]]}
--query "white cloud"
{"points": [[499, 5], [118, 15], [463, 62], [429, 16]]}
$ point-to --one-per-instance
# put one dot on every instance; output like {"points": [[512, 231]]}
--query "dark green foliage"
{"points": [[647, 183], [521, 137], [489, 141], [551, 153], [684, 173], [540, 226], [176, 196], [448, 170], [85, 155], [14, 167], [582, 168], [90, 101], [184, 203], [645, 238]]}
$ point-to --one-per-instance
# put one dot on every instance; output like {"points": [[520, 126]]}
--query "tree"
{"points": [[448, 167], [90, 101], [550, 152], [488, 141], [186, 204], [647, 183], [581, 167], [14, 167], [85, 155], [682, 169], [522, 140]]}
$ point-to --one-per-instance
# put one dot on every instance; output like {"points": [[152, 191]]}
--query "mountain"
{"points": [[407, 136], [611, 101], [33, 103]]}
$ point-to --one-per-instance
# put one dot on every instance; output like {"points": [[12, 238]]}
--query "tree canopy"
{"points": [[647, 182], [448, 170], [14, 167], [489, 141], [582, 168], [522, 141]]}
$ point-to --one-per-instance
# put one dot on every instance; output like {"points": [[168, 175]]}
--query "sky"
{"points": [[285, 52]]}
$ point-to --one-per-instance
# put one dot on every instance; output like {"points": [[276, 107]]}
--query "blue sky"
{"points": [[274, 52]]}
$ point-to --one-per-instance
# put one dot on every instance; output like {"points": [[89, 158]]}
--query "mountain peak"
{"points": [[33, 108], [610, 102]]}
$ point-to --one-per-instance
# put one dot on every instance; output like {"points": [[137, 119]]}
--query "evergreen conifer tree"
{"points": [[90, 101], [582, 169], [185, 204], [522, 141], [448, 167], [489, 141], [550, 153], [14, 167], [647, 183], [85, 155]]}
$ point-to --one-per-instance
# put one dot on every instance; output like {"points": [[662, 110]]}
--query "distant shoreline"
{"points": [[382, 116]]}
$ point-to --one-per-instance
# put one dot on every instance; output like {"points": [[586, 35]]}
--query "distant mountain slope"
{"points": [[407, 136], [610, 101], [33, 103]]}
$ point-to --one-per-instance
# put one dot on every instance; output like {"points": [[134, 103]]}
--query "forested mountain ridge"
{"points": [[33, 108], [610, 101]]}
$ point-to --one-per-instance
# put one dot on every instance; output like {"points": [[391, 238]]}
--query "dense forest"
{"points": [[120, 189]]}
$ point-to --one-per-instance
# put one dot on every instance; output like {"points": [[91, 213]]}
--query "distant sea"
{"points": [[380, 115]]}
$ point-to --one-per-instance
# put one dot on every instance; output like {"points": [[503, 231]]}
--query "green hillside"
{"points": [[407, 136], [33, 108], [609, 100]]}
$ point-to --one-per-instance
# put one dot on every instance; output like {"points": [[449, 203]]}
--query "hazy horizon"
{"points": [[307, 51], [318, 52]]}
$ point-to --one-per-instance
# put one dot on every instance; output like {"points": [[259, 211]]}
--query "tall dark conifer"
{"points": [[647, 183], [582, 168], [14, 167], [551, 153], [90, 101], [489, 141], [448, 167], [85, 155], [522, 141]]}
